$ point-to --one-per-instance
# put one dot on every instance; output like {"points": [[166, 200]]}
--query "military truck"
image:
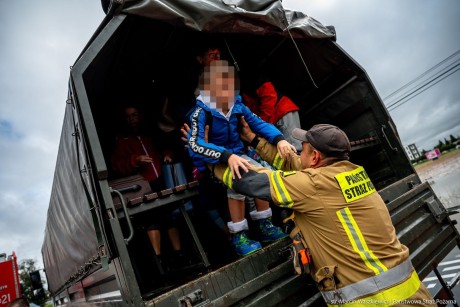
{"points": [[95, 252]]}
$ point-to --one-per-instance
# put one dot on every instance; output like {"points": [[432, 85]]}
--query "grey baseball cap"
{"points": [[328, 139]]}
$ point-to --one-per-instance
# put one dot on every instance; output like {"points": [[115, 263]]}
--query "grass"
{"points": [[421, 167]]}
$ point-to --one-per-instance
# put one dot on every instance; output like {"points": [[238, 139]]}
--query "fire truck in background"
{"points": [[10, 287]]}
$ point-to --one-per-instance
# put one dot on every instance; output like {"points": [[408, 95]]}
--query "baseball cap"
{"points": [[328, 139]]}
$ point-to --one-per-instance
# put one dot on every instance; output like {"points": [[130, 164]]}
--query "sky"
{"points": [[394, 41]]}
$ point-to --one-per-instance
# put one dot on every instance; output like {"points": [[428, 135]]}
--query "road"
{"points": [[450, 270], [444, 177]]}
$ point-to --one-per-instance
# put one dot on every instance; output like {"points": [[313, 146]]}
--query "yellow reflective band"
{"points": [[227, 178], [388, 297], [357, 241], [278, 162], [355, 184], [282, 195]]}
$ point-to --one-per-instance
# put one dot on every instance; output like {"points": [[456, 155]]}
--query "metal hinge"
{"points": [[194, 299], [437, 209]]}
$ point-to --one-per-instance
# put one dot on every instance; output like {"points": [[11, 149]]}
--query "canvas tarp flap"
{"points": [[230, 16], [69, 221]]}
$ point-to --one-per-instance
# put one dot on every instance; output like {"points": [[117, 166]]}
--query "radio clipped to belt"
{"points": [[300, 256]]}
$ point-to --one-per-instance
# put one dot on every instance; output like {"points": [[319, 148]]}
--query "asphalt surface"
{"points": [[444, 178]]}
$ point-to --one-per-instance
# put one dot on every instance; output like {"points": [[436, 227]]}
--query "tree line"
{"points": [[447, 145], [31, 283]]}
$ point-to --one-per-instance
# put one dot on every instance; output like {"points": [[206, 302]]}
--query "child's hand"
{"points": [[285, 149], [235, 162]]}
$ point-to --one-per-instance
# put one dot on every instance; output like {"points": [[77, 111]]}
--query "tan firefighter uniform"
{"points": [[357, 258]]}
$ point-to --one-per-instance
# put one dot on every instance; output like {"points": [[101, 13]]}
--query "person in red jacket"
{"points": [[135, 153], [276, 109]]}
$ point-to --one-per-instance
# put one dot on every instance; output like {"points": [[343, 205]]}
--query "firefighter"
{"points": [[357, 260]]}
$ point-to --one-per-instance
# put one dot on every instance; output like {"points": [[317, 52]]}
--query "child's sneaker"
{"points": [[243, 245], [268, 232]]}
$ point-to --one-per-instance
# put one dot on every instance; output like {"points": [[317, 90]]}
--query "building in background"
{"points": [[412, 152]]}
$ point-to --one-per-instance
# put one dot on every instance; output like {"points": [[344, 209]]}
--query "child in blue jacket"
{"points": [[221, 108]]}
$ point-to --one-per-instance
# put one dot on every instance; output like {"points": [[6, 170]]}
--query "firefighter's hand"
{"points": [[246, 133], [285, 149], [235, 162], [185, 129], [143, 159]]}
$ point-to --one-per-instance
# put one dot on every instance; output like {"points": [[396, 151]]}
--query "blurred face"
{"points": [[132, 117], [219, 85]]}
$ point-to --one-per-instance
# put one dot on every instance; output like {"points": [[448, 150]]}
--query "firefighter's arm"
{"points": [[270, 153], [267, 131], [267, 151], [280, 187], [255, 179]]}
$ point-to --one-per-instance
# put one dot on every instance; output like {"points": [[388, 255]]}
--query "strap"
{"points": [[371, 285]]}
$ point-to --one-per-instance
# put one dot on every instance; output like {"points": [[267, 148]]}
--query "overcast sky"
{"points": [[395, 41]]}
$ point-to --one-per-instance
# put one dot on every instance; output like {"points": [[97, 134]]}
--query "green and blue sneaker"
{"points": [[243, 245], [268, 232]]}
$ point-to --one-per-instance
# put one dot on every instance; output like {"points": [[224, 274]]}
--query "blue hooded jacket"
{"points": [[223, 137]]}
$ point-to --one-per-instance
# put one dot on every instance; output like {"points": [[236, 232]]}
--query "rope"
{"points": [[231, 55], [301, 57]]}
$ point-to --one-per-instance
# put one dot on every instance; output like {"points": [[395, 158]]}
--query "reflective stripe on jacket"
{"points": [[395, 284]]}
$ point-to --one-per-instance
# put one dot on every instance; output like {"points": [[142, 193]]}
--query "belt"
{"points": [[401, 273]]}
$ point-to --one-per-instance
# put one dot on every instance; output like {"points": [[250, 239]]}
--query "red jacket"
{"points": [[124, 158], [268, 106]]}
